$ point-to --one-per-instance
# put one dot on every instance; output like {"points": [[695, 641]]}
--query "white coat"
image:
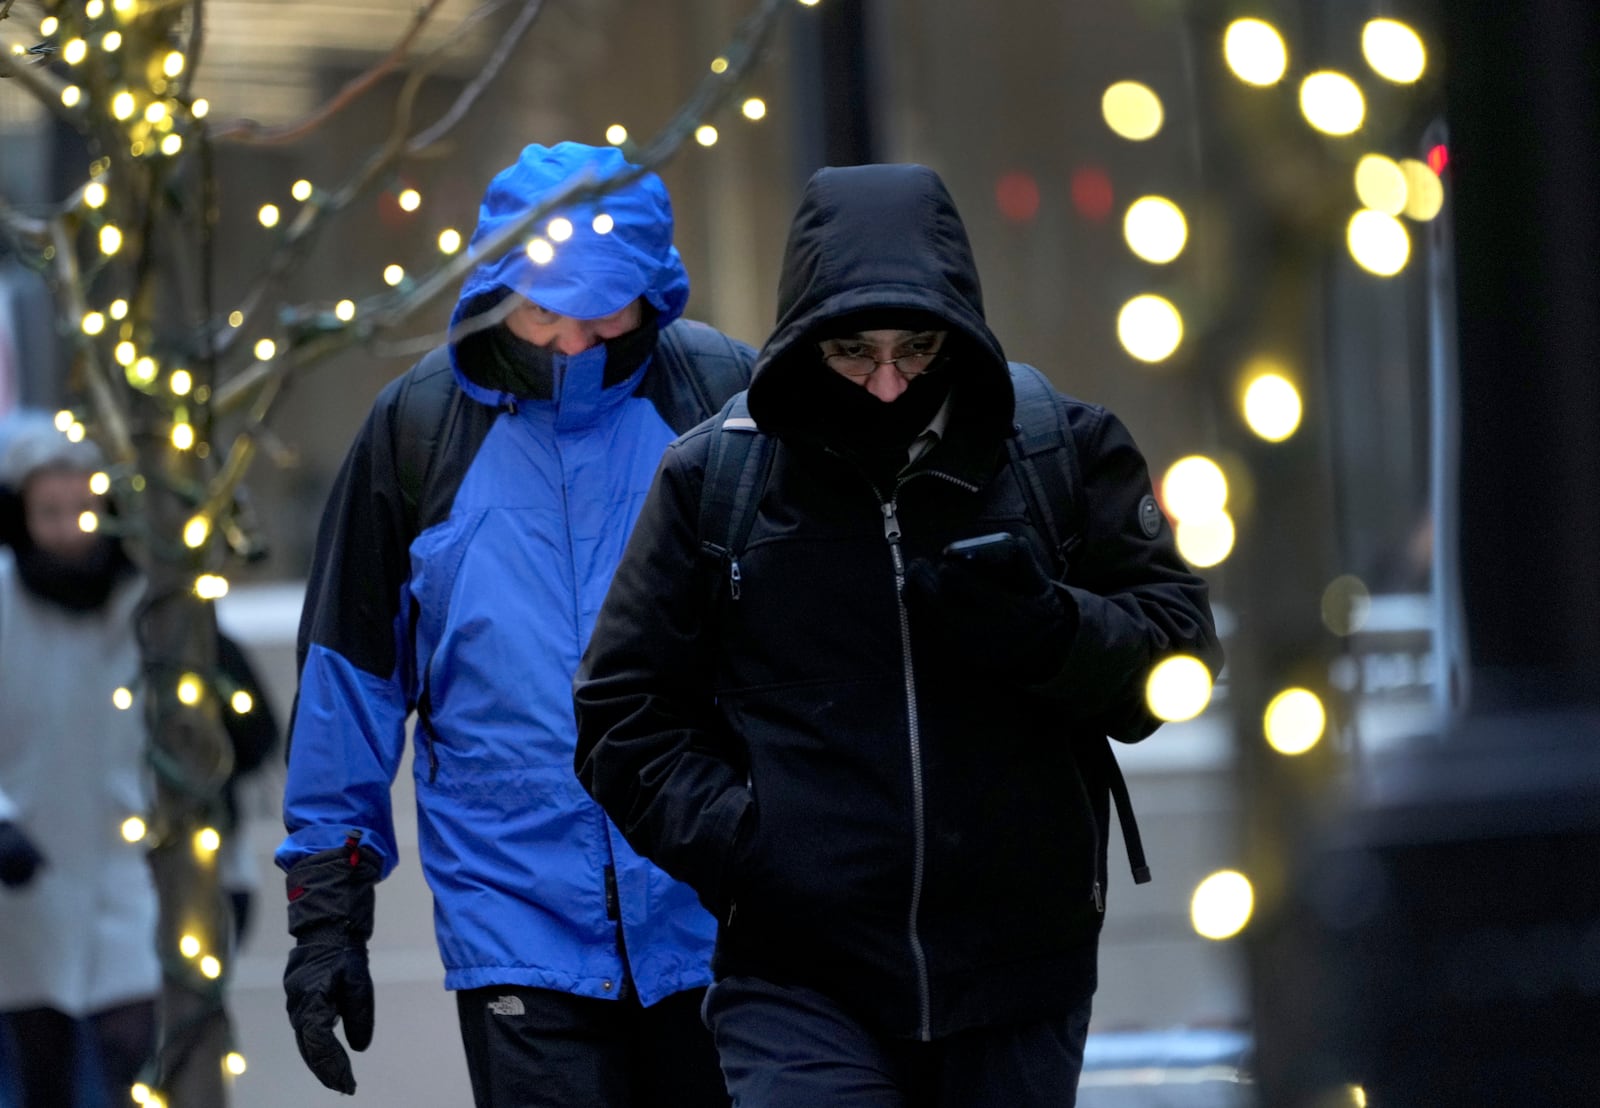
{"points": [[81, 936]]}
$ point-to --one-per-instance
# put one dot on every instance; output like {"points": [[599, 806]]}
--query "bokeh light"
{"points": [[1150, 328], [1378, 243], [345, 310], [1424, 190], [1332, 103], [1294, 721], [616, 134], [1255, 52], [1194, 488], [1132, 110], [1272, 406], [393, 274], [1394, 51], [706, 135], [1178, 688], [449, 240], [1205, 542], [1016, 194], [122, 697], [133, 829], [1155, 229], [1346, 603], [1222, 904], [540, 252], [1381, 184]]}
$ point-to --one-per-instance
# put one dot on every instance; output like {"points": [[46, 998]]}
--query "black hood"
{"points": [[870, 239]]}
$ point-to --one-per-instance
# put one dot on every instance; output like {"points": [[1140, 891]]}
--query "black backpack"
{"points": [[1043, 458]]}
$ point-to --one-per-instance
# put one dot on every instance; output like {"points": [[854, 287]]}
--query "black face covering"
{"points": [[875, 433], [79, 584], [527, 370]]}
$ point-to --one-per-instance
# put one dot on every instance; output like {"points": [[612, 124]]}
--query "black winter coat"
{"points": [[922, 843]]}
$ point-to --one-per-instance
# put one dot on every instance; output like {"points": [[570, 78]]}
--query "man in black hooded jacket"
{"points": [[881, 763]]}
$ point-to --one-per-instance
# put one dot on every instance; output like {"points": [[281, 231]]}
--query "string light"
{"points": [[76, 432], [111, 41], [345, 310], [196, 531], [122, 698], [1132, 110], [144, 371], [133, 828], [171, 144], [211, 967], [123, 105], [705, 135], [1194, 488], [48, 25], [118, 309], [99, 483], [89, 522], [1378, 243], [182, 436], [93, 323], [110, 239], [234, 1061], [1221, 905], [189, 689], [1381, 184], [207, 840], [1272, 406], [1155, 229], [602, 224], [199, 108], [94, 9], [540, 252], [235, 318], [559, 229], [1332, 103], [265, 349], [74, 51], [209, 586], [64, 419], [71, 95], [1294, 721], [410, 200], [1150, 328], [1205, 542], [1424, 190], [1178, 688], [1255, 52], [393, 275], [268, 215], [301, 190], [754, 108], [141, 1093], [616, 134], [1394, 51], [155, 112], [189, 946], [172, 64], [180, 382], [94, 194], [125, 353], [449, 240], [719, 65], [242, 702]]}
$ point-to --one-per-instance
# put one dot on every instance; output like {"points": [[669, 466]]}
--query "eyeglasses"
{"points": [[858, 361]]}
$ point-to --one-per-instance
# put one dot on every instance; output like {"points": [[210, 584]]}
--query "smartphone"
{"points": [[994, 548]]}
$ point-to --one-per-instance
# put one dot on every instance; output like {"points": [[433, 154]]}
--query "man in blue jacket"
{"points": [[462, 558], [872, 734]]}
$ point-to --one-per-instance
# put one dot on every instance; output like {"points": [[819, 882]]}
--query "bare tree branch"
{"points": [[469, 95]]}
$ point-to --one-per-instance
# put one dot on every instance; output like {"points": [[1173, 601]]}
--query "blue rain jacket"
{"points": [[472, 606]]}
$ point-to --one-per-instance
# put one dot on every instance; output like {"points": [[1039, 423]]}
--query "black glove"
{"points": [[19, 858], [330, 914], [993, 611]]}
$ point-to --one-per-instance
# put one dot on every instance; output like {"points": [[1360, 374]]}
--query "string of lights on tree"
{"points": [[182, 415]]}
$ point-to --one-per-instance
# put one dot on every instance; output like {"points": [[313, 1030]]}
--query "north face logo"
{"points": [[508, 1006]]}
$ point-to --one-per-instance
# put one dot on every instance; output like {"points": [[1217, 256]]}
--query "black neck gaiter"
{"points": [[81, 584]]}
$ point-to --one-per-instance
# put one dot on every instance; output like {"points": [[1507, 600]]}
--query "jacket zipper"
{"points": [[891, 533], [1097, 891]]}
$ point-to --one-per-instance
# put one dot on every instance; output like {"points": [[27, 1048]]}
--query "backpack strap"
{"points": [[700, 368], [736, 474], [424, 412], [1045, 460]]}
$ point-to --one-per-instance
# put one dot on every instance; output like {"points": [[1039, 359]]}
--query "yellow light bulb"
{"points": [[1255, 52], [189, 946], [123, 105], [559, 229], [182, 436], [1394, 51], [171, 144], [234, 1061], [94, 9], [1332, 103], [1378, 243], [189, 689], [133, 829], [1272, 406], [393, 275], [410, 200], [111, 41], [88, 521], [140, 1093], [1155, 229], [268, 215], [155, 112], [99, 483], [172, 65], [110, 239], [93, 323], [76, 432], [207, 840], [118, 309], [1381, 184], [1150, 328], [94, 194], [1424, 190], [48, 25], [616, 134], [180, 382], [719, 65], [265, 349], [1221, 905], [242, 702], [235, 318], [301, 190], [1294, 721], [449, 240], [345, 310], [211, 967], [705, 135], [540, 252], [144, 371], [75, 51], [122, 698], [196, 531], [199, 108], [71, 95], [754, 108], [602, 224], [1178, 688], [64, 419], [124, 353], [1132, 110], [210, 586]]}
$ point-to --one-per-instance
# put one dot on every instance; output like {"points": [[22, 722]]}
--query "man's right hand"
{"points": [[327, 981], [19, 858]]}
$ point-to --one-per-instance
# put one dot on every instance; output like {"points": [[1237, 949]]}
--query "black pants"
{"points": [[789, 1047], [535, 1048], [45, 1047]]}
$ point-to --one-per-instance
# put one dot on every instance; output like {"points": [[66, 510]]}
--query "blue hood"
{"points": [[591, 274]]}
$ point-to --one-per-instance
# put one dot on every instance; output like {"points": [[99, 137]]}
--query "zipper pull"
{"points": [[734, 576], [1099, 897]]}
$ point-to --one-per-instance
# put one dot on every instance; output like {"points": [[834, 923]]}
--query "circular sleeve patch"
{"points": [[1149, 516]]}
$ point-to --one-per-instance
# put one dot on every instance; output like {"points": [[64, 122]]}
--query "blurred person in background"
{"points": [[462, 556], [77, 906], [876, 748]]}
